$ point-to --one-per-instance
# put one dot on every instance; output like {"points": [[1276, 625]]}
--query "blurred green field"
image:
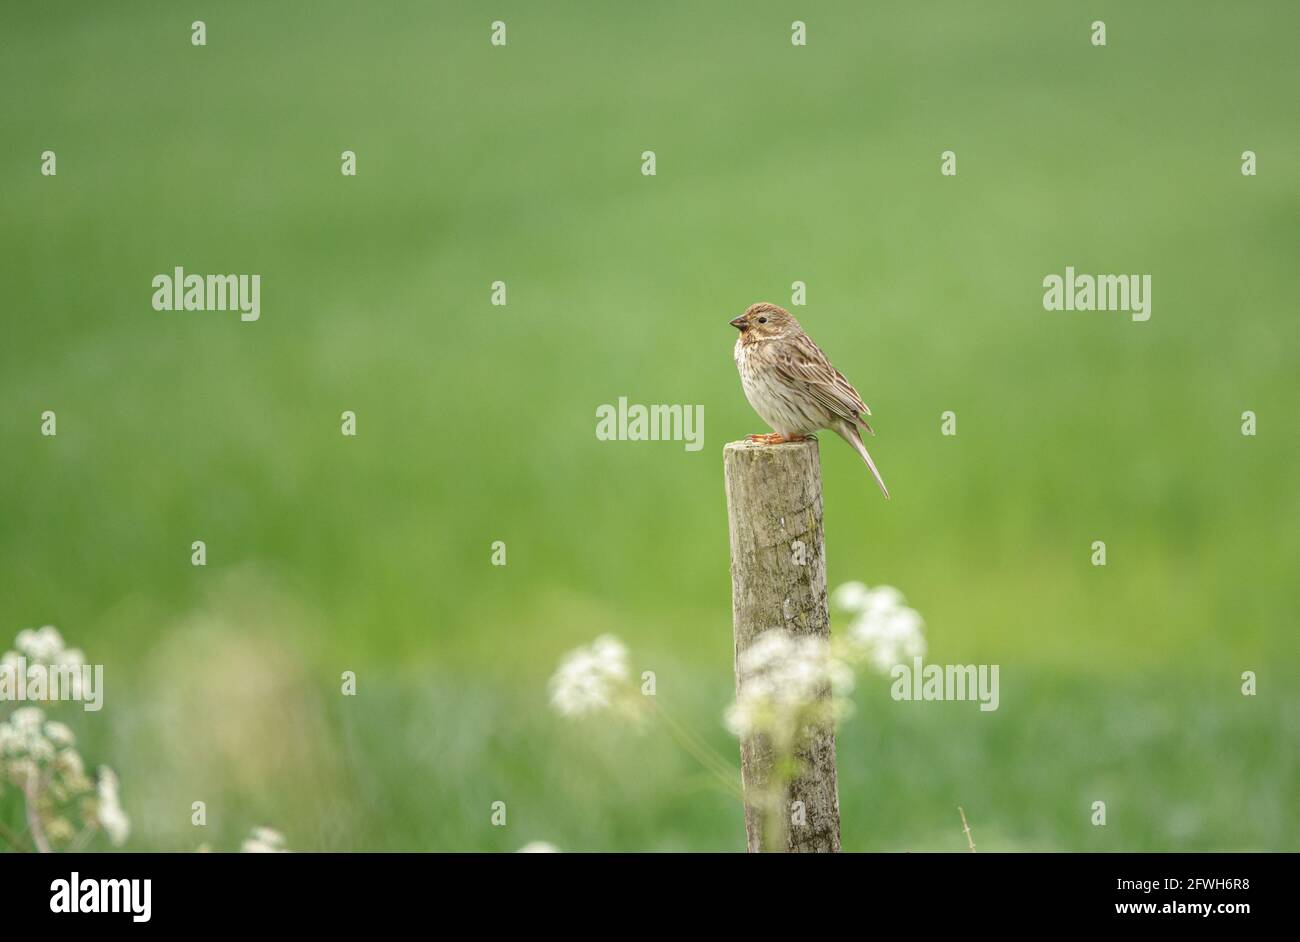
{"points": [[476, 422]]}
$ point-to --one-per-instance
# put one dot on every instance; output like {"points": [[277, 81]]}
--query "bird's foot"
{"points": [[775, 438]]}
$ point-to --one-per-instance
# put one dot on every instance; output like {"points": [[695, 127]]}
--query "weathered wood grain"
{"points": [[774, 501]]}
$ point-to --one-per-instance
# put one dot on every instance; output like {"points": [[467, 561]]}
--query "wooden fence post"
{"points": [[774, 510]]}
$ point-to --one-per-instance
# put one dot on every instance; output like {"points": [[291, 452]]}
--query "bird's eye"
{"points": [[762, 320]]}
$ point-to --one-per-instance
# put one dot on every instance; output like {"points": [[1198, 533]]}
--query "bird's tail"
{"points": [[851, 435]]}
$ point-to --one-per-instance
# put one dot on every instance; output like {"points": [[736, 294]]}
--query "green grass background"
{"points": [[476, 423]]}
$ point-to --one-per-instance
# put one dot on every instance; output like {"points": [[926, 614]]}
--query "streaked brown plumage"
{"points": [[792, 386]]}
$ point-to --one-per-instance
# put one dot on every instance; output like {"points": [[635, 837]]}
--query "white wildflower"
{"points": [[264, 841], [40, 749], [59, 735], [589, 678], [885, 630], [23, 737], [27, 720], [42, 644], [39, 756], [109, 810], [70, 764], [779, 666], [269, 836], [883, 598], [70, 657], [787, 683], [851, 596], [59, 830], [22, 771]]}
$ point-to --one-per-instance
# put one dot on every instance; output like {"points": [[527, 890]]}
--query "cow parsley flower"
{"points": [[43, 644], [60, 830], [38, 756], [884, 631], [851, 596], [109, 811], [44, 648], [592, 678], [264, 841], [787, 683], [28, 721], [25, 736], [59, 735]]}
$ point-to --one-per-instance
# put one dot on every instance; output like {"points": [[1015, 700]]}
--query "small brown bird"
{"points": [[792, 386]]}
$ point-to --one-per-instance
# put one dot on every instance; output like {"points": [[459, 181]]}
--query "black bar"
{"points": [[332, 891]]}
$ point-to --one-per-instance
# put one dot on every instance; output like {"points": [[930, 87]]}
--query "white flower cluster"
{"points": [[883, 630], [44, 647], [591, 678], [788, 683], [109, 811], [28, 742], [38, 758], [261, 840], [264, 841], [788, 686]]}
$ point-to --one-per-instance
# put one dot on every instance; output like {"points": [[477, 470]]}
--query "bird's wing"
{"points": [[803, 363]]}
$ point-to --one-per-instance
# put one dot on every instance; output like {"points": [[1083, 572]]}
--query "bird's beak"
{"points": [[739, 322]]}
